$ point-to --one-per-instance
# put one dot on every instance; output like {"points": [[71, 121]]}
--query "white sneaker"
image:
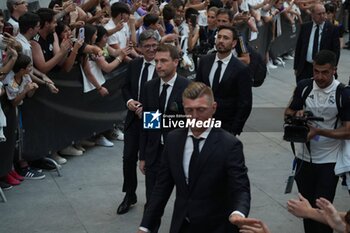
{"points": [[120, 134], [80, 147], [270, 65], [71, 150], [288, 57], [280, 62], [58, 158], [117, 134], [103, 141]]}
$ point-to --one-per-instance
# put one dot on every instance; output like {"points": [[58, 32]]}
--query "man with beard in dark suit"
{"points": [[162, 95], [139, 71], [206, 164], [229, 79]]}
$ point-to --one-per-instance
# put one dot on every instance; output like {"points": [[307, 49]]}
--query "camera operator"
{"points": [[315, 176]]}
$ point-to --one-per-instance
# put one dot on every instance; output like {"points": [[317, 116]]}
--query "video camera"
{"points": [[296, 128]]}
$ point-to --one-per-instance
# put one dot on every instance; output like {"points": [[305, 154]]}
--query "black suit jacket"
{"points": [[329, 41], [233, 95], [220, 184], [151, 139], [131, 87]]}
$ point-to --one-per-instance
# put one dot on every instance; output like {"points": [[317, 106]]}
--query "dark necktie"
{"points": [[194, 157], [144, 76], [315, 45], [217, 74], [162, 98]]}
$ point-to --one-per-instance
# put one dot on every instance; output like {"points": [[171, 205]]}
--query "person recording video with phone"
{"points": [[316, 159], [47, 53]]}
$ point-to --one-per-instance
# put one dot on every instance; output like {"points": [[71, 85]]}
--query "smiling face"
{"points": [[149, 48], [66, 34]]}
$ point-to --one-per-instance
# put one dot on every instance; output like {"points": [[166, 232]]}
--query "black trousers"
{"points": [[7, 148], [152, 172], [151, 180], [315, 181], [130, 157], [185, 228]]}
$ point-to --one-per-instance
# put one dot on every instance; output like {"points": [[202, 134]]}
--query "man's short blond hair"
{"points": [[196, 90]]}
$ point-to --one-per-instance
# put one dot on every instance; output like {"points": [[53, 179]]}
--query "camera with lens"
{"points": [[296, 128]]}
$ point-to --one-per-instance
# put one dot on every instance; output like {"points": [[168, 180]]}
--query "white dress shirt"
{"points": [[225, 62], [151, 69], [189, 149], [311, 41]]}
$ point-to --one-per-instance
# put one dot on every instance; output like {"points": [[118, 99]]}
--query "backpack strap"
{"points": [[306, 91], [338, 101], [183, 42], [304, 94]]}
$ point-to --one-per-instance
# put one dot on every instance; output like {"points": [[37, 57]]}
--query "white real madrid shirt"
{"points": [[322, 103]]}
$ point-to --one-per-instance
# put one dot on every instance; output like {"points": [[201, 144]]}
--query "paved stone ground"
{"points": [[85, 198]]}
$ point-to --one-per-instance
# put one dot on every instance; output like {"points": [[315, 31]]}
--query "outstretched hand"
{"points": [[251, 225], [299, 207], [330, 214]]}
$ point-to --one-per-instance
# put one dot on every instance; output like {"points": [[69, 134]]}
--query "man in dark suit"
{"points": [[314, 36], [229, 80], [162, 94], [139, 72], [207, 167]]}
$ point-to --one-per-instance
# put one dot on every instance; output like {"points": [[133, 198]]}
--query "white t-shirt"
{"points": [[322, 103], [294, 8], [26, 47], [13, 89], [254, 2], [97, 72], [244, 6], [15, 25], [113, 1], [202, 18], [121, 37]]}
